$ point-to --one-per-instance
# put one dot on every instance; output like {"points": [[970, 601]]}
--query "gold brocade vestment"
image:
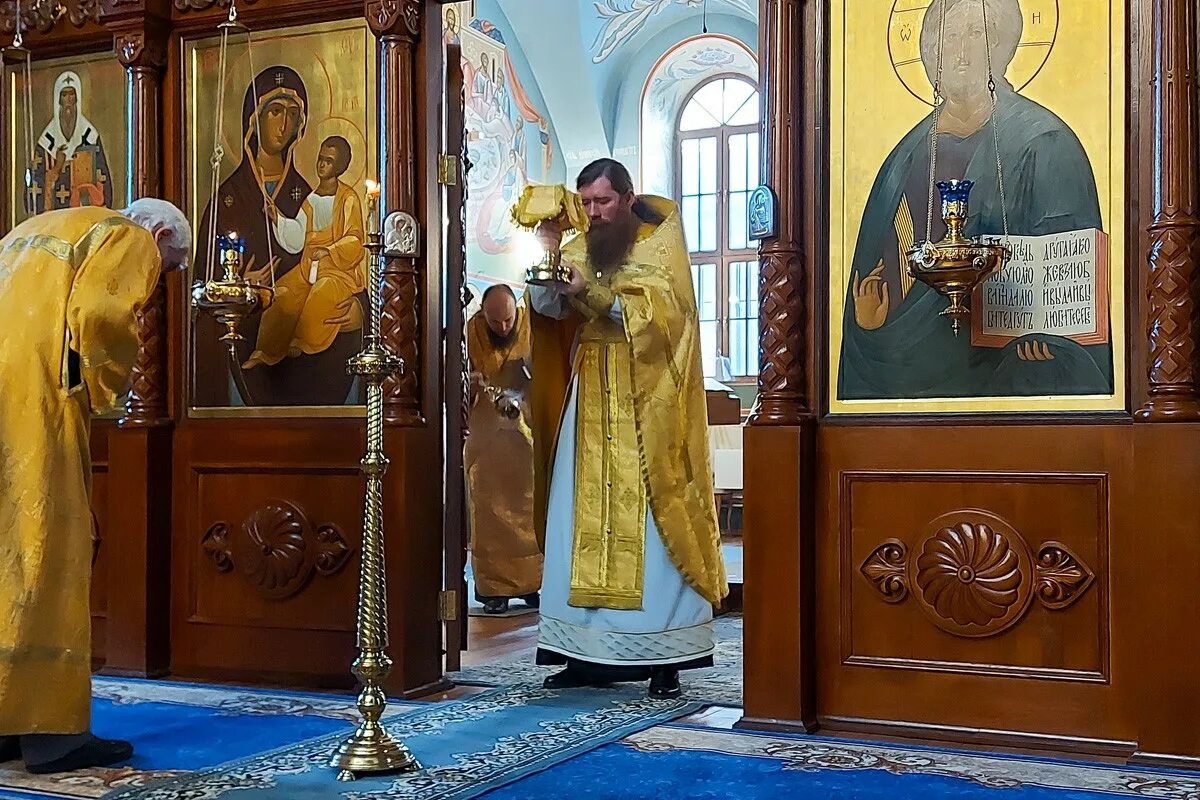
{"points": [[641, 435], [498, 460], [69, 281]]}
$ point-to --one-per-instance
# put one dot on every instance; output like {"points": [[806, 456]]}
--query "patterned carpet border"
{"points": [[719, 685], [467, 748], [812, 754]]}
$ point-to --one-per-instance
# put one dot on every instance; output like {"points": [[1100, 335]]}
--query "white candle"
{"points": [[372, 207]]}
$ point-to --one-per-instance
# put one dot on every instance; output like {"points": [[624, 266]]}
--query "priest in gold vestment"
{"points": [[70, 282], [506, 559], [624, 491]]}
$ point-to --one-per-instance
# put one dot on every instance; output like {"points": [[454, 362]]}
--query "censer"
{"points": [[556, 204], [957, 264], [229, 296]]}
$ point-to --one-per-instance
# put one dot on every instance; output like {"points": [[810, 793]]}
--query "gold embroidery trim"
{"points": [[608, 548]]}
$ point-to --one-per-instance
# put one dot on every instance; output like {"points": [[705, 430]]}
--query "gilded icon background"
{"points": [[1042, 335], [297, 139], [79, 136]]}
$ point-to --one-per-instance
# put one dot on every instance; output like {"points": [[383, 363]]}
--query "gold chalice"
{"points": [[554, 204]]}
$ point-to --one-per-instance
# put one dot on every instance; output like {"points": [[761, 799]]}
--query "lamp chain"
{"points": [[987, 44], [933, 131]]}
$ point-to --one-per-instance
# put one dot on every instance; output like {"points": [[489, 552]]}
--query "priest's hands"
{"points": [[577, 283], [871, 299], [549, 235]]}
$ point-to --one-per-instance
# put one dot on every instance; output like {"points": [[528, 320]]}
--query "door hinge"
{"points": [[447, 170], [448, 606]]}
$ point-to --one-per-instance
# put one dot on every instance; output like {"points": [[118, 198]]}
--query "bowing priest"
{"points": [[506, 558], [70, 282], [624, 493]]}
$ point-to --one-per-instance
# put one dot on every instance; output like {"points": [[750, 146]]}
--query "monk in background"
{"points": [[498, 457], [315, 300]]}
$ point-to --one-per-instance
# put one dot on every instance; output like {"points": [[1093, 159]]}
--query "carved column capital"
{"points": [[395, 17], [141, 43], [1173, 290]]}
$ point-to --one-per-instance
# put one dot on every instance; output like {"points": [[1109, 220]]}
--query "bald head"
{"points": [[500, 310]]}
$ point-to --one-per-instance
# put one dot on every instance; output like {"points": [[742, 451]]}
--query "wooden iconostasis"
{"points": [[882, 450], [228, 493]]}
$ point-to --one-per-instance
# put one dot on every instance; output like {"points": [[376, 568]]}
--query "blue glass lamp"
{"points": [[954, 266]]}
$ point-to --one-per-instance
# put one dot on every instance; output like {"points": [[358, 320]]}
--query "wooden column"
{"points": [[780, 440], [142, 49], [1173, 324], [782, 396], [138, 627], [397, 24]]}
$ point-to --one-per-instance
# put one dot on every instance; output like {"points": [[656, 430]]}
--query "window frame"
{"points": [[724, 256]]}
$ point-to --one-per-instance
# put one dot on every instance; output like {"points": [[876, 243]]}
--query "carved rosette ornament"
{"points": [[277, 550], [974, 575]]}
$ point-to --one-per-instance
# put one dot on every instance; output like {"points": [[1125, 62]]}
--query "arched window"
{"points": [[717, 167]]}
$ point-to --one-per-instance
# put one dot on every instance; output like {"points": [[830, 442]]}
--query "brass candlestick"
{"points": [[371, 748]]}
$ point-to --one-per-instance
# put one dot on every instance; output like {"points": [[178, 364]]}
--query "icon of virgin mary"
{"points": [[266, 181]]}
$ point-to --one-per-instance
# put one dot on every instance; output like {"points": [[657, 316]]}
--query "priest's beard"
{"points": [[501, 340], [608, 243]]}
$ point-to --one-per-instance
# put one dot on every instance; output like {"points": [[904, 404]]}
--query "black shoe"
{"points": [[495, 606], [10, 749], [96, 753], [570, 678], [532, 600], [664, 683]]}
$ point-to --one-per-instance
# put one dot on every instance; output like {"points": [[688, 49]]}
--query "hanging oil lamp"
{"points": [[230, 298], [956, 264], [229, 295]]}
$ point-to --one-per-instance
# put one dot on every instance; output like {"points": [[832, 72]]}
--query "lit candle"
{"points": [[372, 207]]}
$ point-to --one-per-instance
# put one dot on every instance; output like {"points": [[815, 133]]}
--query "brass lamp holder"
{"points": [[371, 749], [954, 266], [231, 299]]}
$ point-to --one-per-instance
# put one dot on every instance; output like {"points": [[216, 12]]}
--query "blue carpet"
{"points": [[706, 764], [181, 727], [466, 748]]}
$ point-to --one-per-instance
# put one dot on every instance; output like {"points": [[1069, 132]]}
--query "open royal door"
{"points": [[452, 177]]}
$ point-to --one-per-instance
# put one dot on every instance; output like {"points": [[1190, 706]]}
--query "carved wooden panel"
{"points": [[975, 575], [260, 559], [42, 15], [975, 572], [277, 550]]}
